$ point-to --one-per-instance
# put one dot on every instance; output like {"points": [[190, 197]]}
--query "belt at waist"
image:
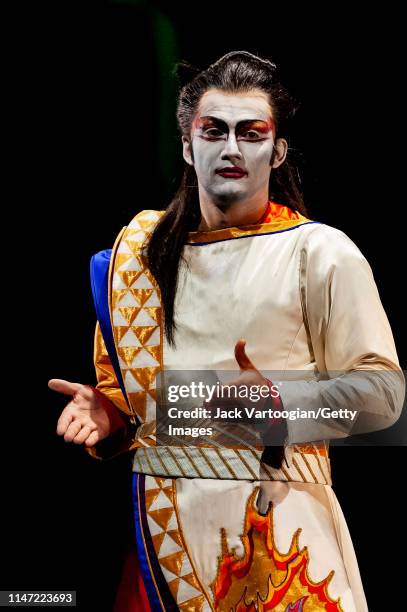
{"points": [[305, 464]]}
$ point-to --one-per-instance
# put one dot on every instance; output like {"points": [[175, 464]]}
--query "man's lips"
{"points": [[231, 172]]}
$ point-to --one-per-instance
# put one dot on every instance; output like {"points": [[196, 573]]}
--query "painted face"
{"points": [[232, 144]]}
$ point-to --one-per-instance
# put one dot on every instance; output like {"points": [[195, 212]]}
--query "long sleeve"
{"points": [[106, 378], [353, 345], [107, 384]]}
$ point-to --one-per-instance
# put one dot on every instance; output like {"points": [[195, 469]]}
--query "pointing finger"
{"points": [[241, 357]]}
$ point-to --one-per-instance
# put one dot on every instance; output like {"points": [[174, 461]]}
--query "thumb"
{"points": [[64, 386], [241, 357]]}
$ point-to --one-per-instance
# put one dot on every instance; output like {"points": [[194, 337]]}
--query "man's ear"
{"points": [[280, 152], [187, 150]]}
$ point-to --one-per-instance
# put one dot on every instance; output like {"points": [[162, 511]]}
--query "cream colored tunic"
{"points": [[305, 300]]}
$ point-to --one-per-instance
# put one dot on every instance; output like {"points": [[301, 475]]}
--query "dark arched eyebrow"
{"points": [[255, 124]]}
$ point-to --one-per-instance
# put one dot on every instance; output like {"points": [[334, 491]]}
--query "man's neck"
{"points": [[241, 213]]}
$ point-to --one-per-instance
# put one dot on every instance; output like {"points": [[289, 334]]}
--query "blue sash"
{"points": [[99, 279]]}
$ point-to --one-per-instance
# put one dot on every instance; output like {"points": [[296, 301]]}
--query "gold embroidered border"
{"points": [[185, 546]]}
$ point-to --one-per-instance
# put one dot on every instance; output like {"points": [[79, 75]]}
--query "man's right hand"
{"points": [[89, 417]]}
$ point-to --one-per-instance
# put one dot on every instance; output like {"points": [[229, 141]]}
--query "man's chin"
{"points": [[227, 199]]}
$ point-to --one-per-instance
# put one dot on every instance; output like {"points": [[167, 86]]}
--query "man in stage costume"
{"points": [[235, 275]]}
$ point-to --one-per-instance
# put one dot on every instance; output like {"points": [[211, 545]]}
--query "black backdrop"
{"points": [[95, 141]]}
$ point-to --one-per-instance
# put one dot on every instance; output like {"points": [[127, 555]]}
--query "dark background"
{"points": [[95, 141]]}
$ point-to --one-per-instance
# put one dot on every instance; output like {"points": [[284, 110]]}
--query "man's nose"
{"points": [[231, 148]]}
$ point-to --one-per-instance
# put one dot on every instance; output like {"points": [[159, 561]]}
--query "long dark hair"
{"points": [[238, 71]]}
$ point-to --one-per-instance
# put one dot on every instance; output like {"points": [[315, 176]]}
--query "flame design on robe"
{"points": [[264, 578]]}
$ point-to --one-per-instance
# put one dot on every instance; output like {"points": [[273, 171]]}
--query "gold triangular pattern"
{"points": [[128, 353], [154, 351], [150, 276], [162, 516], [136, 233], [142, 295], [159, 480], [174, 584], [121, 258], [173, 562], [175, 535], [145, 224], [131, 254], [158, 540], [120, 293], [137, 262], [144, 333], [128, 276], [190, 578], [151, 495], [129, 313], [136, 239], [195, 604], [120, 331], [146, 376], [153, 393], [168, 492], [155, 313]]}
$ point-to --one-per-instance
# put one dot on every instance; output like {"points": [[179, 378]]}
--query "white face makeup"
{"points": [[235, 132]]}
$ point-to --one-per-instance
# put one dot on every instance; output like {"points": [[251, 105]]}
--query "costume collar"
{"points": [[277, 218]]}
